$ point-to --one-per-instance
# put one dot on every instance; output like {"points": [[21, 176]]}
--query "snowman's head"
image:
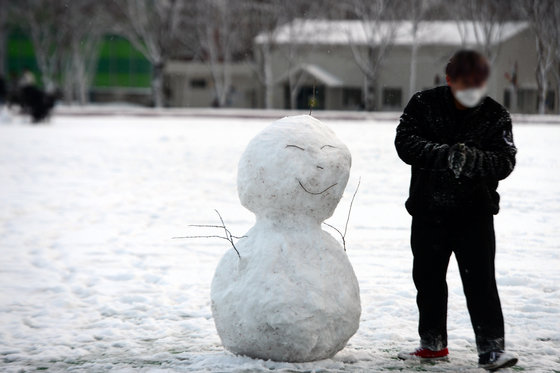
{"points": [[294, 167]]}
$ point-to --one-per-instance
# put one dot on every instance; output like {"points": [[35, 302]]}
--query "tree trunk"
{"points": [[157, 84], [414, 51], [77, 79], [543, 87], [268, 78], [226, 75], [413, 59], [293, 87], [81, 83], [369, 94], [293, 97], [542, 102]]}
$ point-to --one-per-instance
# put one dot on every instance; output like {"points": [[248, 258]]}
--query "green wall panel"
{"points": [[119, 64]]}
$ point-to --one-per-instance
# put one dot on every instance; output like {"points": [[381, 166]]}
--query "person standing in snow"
{"points": [[459, 143]]}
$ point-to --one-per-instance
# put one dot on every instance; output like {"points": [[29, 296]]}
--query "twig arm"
{"points": [[343, 235], [228, 236]]}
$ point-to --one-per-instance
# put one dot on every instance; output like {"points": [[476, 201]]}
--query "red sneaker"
{"points": [[424, 354]]}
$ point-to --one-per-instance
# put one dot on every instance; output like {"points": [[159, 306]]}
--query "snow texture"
{"points": [[292, 295], [90, 279]]}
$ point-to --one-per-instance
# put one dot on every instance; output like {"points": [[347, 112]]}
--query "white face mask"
{"points": [[470, 97]]}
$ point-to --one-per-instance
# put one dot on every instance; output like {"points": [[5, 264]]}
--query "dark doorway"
{"points": [[305, 97]]}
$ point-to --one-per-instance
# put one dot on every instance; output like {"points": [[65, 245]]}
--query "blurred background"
{"points": [[358, 54]]}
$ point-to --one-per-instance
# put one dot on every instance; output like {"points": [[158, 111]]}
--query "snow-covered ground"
{"points": [[91, 279]]}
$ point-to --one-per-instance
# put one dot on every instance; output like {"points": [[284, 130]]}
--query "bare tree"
{"points": [[293, 22], [42, 18], [540, 14], [153, 27], [417, 10], [268, 17], [218, 30], [379, 31], [65, 37], [84, 25], [484, 18]]}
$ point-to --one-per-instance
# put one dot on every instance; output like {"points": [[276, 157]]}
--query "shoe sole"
{"points": [[424, 359], [427, 360], [506, 364]]}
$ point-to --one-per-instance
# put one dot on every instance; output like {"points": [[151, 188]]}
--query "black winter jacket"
{"points": [[428, 129]]}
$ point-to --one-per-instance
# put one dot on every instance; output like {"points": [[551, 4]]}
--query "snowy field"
{"points": [[91, 279]]}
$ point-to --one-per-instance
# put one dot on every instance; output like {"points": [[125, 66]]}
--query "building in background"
{"points": [[324, 58], [304, 54]]}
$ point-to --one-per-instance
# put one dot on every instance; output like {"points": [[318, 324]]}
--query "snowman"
{"points": [[291, 294]]}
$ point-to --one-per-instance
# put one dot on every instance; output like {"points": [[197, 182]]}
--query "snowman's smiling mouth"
{"points": [[314, 193]]}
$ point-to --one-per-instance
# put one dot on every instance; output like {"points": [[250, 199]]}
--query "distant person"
{"points": [[460, 145], [33, 100]]}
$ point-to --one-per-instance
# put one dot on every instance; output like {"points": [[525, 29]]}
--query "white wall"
{"points": [[180, 76]]}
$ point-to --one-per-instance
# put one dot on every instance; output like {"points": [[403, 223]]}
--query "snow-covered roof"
{"points": [[328, 32], [316, 72]]}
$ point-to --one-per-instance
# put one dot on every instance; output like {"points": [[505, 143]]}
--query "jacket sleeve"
{"points": [[498, 159], [412, 145]]}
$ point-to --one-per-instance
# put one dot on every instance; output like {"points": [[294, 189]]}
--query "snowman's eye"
{"points": [[328, 146], [295, 146]]}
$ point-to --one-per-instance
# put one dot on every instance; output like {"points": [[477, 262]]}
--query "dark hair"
{"points": [[468, 64]]}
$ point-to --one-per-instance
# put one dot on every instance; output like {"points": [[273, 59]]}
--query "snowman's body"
{"points": [[293, 295]]}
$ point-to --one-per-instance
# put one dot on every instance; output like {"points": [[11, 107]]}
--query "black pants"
{"points": [[471, 238]]}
